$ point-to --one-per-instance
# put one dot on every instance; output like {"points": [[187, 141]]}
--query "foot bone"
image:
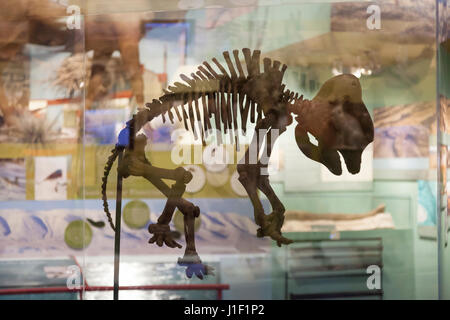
{"points": [[162, 234], [271, 227]]}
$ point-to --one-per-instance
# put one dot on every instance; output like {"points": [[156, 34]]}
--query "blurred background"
{"points": [[73, 72]]}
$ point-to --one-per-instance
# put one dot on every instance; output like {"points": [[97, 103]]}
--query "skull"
{"points": [[339, 120]]}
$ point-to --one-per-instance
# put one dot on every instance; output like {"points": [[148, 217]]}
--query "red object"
{"points": [[207, 286], [211, 286]]}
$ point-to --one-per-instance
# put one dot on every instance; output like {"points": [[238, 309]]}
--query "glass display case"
{"points": [[205, 149]]}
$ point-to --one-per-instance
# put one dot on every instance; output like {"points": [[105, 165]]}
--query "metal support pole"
{"points": [[117, 232]]}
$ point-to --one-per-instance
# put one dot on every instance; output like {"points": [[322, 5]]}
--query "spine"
{"points": [[221, 93]]}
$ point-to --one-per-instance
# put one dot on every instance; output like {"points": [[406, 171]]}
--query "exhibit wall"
{"points": [[71, 86]]}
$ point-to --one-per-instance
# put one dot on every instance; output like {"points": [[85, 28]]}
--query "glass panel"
{"points": [[43, 228], [442, 42], [104, 102]]}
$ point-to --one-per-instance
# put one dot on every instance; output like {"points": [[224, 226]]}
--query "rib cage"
{"points": [[222, 94]]}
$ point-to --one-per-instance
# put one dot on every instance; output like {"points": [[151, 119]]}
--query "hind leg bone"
{"points": [[190, 260], [161, 230], [135, 163], [174, 195]]}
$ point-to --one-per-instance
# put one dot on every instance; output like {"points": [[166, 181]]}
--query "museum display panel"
{"points": [[224, 149]]}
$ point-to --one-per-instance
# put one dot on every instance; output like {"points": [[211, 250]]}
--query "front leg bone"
{"points": [[248, 178], [275, 219]]}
